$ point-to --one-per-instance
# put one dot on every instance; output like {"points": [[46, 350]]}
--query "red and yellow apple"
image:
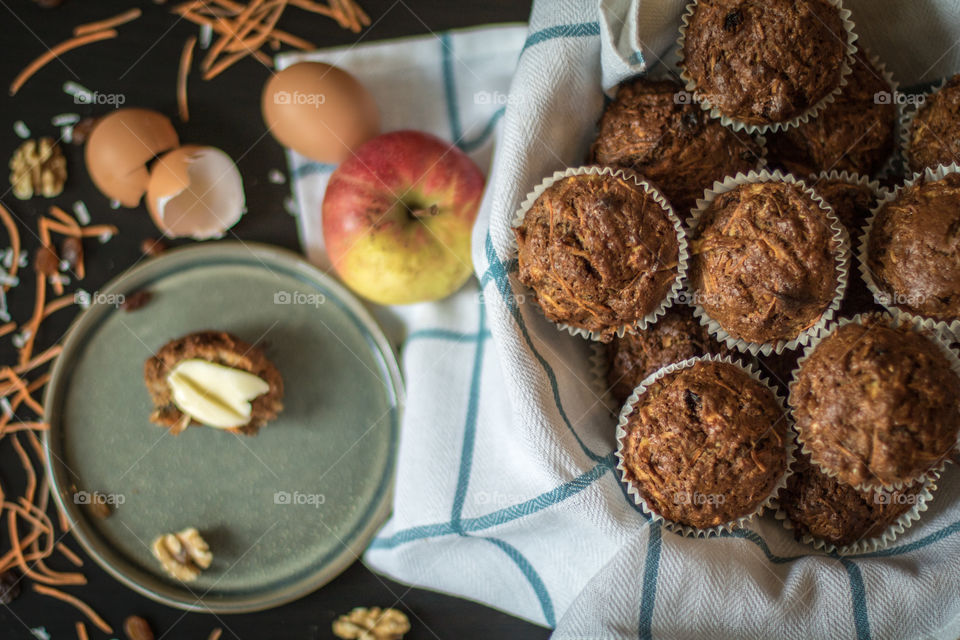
{"points": [[398, 215]]}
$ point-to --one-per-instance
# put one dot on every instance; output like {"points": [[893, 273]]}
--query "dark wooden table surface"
{"points": [[141, 65]]}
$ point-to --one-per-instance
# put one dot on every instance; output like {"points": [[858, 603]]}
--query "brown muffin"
{"points": [[220, 348], [934, 135], [819, 506], [705, 445], [851, 202], [764, 61], [672, 141], [598, 251], [913, 252], [857, 132], [676, 336], [762, 261], [876, 406]]}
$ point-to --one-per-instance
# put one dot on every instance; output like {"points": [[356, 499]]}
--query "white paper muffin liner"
{"points": [[811, 112], [884, 538], [847, 177], [893, 323], [952, 328], [635, 492], [851, 179], [906, 122], [842, 257], [649, 189]]}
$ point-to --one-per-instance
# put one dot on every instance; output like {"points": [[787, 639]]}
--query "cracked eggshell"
{"points": [[120, 147], [320, 111], [195, 192]]}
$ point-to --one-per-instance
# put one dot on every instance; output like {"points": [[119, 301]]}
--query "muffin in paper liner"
{"points": [[906, 122], [681, 97], [649, 189], [893, 323], [811, 112], [634, 491], [878, 542], [841, 255], [892, 163], [952, 328]]}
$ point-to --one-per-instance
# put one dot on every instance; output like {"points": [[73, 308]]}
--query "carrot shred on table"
{"points": [[186, 59], [52, 54], [83, 607], [107, 23], [64, 217], [26, 426], [9, 327], [80, 232], [66, 552], [34, 324], [82, 632], [60, 303], [31, 490], [14, 234]]}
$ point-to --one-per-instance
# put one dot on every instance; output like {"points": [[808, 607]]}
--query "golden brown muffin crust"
{"points": [[672, 141], [914, 249], [762, 261], [705, 445], [876, 406], [764, 61], [598, 251]]}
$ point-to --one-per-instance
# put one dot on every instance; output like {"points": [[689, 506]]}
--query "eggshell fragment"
{"points": [[120, 147], [195, 192], [320, 111]]}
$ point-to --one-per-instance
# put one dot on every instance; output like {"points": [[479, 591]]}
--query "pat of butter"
{"points": [[213, 394]]}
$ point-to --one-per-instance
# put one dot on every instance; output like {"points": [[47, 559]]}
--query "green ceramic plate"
{"points": [[285, 511]]}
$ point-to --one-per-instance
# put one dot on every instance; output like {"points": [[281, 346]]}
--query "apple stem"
{"points": [[432, 210]]}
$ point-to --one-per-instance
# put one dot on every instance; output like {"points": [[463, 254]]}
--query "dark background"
{"points": [[142, 64]]}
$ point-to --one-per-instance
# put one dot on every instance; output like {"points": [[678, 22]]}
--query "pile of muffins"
{"points": [[777, 329]]}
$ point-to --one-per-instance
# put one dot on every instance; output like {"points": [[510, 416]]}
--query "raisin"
{"points": [[152, 247], [72, 251], [136, 300], [733, 20], [46, 261], [137, 628], [9, 587], [81, 130], [692, 400]]}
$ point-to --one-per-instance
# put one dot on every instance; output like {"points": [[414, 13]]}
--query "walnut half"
{"points": [[38, 168], [372, 624], [183, 555]]}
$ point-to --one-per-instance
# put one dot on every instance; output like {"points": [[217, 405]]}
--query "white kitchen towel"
{"points": [[506, 490]]}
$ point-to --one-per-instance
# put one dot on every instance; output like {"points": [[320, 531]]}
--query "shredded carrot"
{"points": [[186, 59], [80, 232], [60, 303], [83, 607], [10, 327], [64, 217], [14, 234], [52, 54], [26, 426], [69, 555], [34, 323], [31, 490], [107, 23], [239, 30], [82, 632]]}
